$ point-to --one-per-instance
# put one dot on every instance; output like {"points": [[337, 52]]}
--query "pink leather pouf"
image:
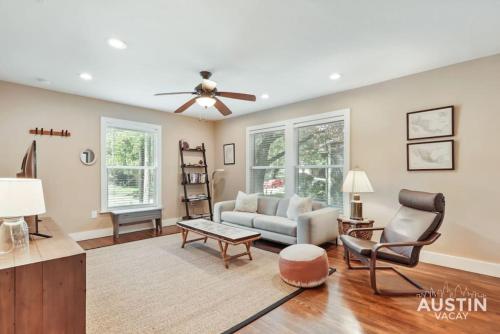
{"points": [[303, 265]]}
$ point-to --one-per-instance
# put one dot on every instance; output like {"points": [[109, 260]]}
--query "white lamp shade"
{"points": [[357, 182], [21, 197]]}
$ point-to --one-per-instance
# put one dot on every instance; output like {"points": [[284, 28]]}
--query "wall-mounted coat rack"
{"points": [[51, 132]]}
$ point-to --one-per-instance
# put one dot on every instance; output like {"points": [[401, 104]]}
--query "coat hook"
{"points": [[51, 131], [41, 131], [36, 131]]}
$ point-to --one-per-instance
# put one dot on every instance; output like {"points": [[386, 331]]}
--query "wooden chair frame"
{"points": [[371, 262]]}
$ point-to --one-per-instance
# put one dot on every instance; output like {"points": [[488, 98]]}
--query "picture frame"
{"points": [[431, 156], [430, 123], [229, 154]]}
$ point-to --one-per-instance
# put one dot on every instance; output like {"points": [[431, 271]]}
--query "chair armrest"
{"points": [[429, 241], [352, 230], [317, 227], [221, 207]]}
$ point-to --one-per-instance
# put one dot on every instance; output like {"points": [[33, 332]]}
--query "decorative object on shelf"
{"points": [[87, 157], [345, 224], [190, 178], [18, 198], [357, 182], [430, 123], [427, 156], [51, 132], [184, 145], [229, 158], [195, 178]]}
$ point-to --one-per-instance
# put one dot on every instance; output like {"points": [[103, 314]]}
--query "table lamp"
{"points": [[357, 182], [18, 198]]}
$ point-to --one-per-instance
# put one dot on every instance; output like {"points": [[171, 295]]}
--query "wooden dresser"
{"points": [[44, 291]]}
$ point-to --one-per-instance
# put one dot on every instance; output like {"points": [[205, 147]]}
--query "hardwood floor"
{"points": [[346, 304]]}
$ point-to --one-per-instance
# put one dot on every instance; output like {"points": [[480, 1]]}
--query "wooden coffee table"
{"points": [[225, 236]]}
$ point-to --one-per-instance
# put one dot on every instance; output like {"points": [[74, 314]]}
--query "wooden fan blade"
{"points": [[174, 93], [186, 105], [223, 109], [238, 96]]}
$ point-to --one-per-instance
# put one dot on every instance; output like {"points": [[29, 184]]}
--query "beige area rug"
{"points": [[155, 286]]}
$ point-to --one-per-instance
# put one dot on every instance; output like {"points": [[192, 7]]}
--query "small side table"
{"points": [[345, 224]]}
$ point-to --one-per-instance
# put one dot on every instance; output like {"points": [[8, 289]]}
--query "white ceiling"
{"points": [[286, 48]]}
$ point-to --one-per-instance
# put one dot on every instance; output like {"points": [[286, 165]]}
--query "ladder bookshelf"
{"points": [[186, 181]]}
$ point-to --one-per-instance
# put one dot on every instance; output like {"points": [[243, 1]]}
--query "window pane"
{"points": [[268, 181], [322, 184], [269, 148], [321, 144], [129, 148], [128, 187]]}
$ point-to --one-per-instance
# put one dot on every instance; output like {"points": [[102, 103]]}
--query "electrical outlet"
{"points": [[93, 214]]}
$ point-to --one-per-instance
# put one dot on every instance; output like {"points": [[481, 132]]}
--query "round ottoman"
{"points": [[303, 265]]}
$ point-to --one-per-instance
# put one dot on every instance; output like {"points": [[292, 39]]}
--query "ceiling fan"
{"points": [[207, 96]]}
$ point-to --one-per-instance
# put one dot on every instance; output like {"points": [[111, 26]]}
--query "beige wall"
{"points": [[378, 145], [72, 190]]}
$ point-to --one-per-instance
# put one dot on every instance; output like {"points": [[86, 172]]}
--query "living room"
{"points": [[234, 180]]}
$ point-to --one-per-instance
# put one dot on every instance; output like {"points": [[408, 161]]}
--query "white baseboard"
{"points": [[462, 263], [105, 232]]}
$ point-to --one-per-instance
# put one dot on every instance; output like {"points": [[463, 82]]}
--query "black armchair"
{"points": [[415, 225]]}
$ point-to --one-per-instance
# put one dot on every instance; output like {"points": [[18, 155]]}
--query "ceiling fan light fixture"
{"points": [[208, 85], [205, 101]]}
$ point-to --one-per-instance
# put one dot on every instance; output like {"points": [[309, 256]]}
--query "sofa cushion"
{"points": [[276, 224], [298, 205], [267, 205], [317, 205], [282, 207], [246, 202], [239, 218]]}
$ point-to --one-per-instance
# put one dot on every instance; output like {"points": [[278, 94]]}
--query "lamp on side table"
{"points": [[20, 197], [357, 182]]}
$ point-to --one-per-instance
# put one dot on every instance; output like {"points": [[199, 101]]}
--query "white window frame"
{"points": [[291, 151], [106, 123]]}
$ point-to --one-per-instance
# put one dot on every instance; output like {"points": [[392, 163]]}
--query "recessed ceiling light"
{"points": [[265, 96], [86, 76], [117, 43], [335, 76], [43, 81]]}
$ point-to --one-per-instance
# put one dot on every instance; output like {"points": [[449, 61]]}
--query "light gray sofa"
{"points": [[315, 227]]}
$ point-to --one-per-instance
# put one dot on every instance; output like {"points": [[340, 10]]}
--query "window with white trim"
{"points": [[268, 162], [130, 165], [320, 162], [307, 156]]}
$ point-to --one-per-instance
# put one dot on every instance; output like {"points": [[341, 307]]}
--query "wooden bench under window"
{"points": [[136, 216]]}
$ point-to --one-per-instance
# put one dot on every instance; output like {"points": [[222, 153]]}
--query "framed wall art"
{"points": [[437, 155], [229, 154], [430, 123]]}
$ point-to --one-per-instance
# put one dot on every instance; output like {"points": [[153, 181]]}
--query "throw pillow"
{"points": [[246, 202], [298, 205]]}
